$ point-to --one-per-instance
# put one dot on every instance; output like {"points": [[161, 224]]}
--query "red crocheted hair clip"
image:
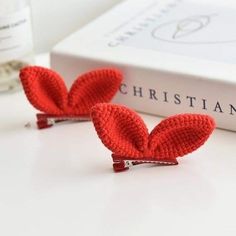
{"points": [[47, 92], [123, 132]]}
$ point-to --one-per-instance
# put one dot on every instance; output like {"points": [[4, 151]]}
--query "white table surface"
{"points": [[59, 181]]}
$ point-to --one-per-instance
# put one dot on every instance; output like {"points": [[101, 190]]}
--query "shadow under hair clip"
{"points": [[123, 132], [47, 92]]}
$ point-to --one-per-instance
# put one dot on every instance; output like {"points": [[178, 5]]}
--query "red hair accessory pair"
{"points": [[47, 92], [120, 129]]}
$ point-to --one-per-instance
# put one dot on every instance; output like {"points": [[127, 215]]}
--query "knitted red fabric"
{"points": [[123, 132], [47, 92]]}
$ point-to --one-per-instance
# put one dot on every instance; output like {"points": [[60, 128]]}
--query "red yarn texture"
{"points": [[47, 92], [124, 132]]}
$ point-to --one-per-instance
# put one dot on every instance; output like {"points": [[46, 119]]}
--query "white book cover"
{"points": [[177, 56]]}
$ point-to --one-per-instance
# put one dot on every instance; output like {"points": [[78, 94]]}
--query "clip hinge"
{"points": [[46, 121], [121, 165]]}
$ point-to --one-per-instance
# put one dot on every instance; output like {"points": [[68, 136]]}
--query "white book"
{"points": [[177, 56]]}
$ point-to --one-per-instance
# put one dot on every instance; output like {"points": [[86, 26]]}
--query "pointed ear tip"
{"points": [[97, 108], [118, 73], [211, 121], [113, 69], [100, 109], [207, 119], [94, 108], [33, 67], [25, 71]]}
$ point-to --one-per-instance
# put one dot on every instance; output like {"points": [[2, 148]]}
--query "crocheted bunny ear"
{"points": [[120, 129], [179, 135], [44, 89], [94, 87]]}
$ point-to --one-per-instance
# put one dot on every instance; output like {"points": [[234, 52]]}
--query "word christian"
{"points": [[176, 99]]}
